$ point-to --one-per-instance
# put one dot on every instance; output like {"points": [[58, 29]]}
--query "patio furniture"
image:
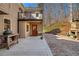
{"points": [[8, 40], [11, 39], [2, 41]]}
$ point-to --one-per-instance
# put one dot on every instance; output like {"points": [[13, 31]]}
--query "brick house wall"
{"points": [[12, 10]]}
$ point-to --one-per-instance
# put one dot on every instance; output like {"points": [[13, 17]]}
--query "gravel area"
{"points": [[62, 45]]}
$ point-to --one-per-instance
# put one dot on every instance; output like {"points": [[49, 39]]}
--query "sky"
{"points": [[30, 4]]}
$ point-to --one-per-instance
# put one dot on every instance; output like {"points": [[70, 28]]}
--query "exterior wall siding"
{"points": [[1, 25], [23, 29], [12, 10]]}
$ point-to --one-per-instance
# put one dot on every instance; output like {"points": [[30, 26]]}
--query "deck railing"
{"points": [[29, 15]]}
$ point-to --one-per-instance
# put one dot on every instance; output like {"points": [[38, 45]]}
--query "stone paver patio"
{"points": [[31, 46]]}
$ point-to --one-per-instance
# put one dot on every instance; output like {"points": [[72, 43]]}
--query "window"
{"points": [[27, 29], [6, 24], [37, 14]]}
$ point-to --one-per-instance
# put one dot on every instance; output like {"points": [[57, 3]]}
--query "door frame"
{"points": [[34, 32]]}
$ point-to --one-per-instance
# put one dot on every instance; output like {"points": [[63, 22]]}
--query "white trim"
{"points": [[39, 1]]}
